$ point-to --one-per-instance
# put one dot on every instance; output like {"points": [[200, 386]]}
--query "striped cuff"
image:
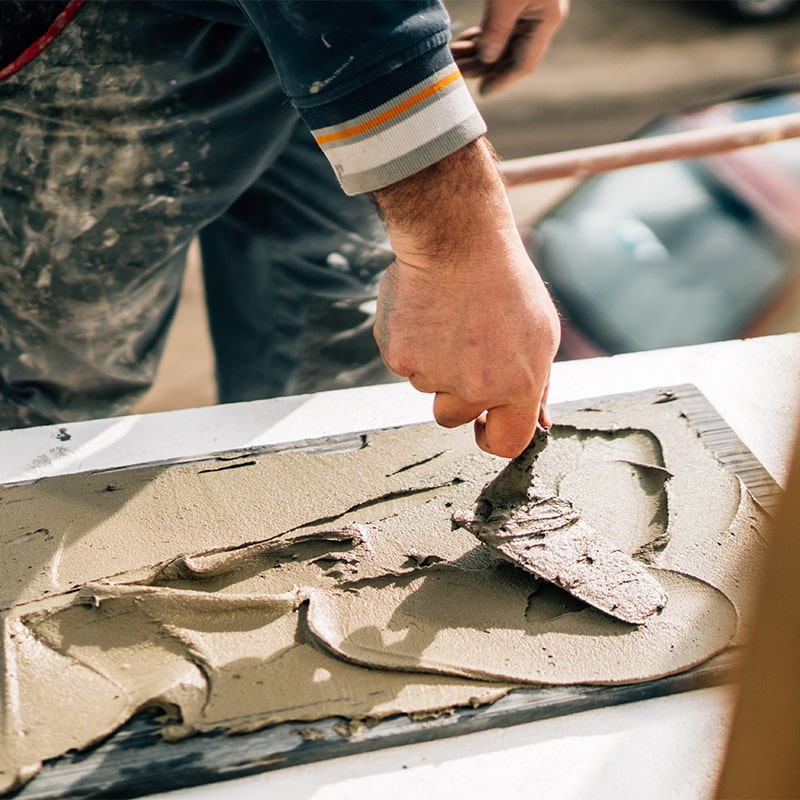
{"points": [[411, 131]]}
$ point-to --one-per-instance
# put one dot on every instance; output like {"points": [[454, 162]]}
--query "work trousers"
{"points": [[135, 131]]}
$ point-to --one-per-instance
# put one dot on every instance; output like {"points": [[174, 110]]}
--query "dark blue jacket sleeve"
{"points": [[374, 80]]}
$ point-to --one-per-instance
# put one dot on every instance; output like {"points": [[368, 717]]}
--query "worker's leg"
{"points": [[128, 134], [291, 270]]}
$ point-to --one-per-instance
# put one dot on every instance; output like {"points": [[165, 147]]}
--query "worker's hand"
{"points": [[509, 42], [462, 312], [483, 340]]}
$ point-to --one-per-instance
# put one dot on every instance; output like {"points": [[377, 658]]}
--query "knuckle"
{"points": [[398, 366], [473, 395]]}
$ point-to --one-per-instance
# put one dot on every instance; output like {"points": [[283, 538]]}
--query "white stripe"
{"points": [[402, 137]]}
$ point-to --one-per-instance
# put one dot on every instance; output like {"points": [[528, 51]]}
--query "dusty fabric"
{"points": [[136, 129]]}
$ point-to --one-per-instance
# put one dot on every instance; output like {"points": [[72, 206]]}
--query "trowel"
{"points": [[528, 524]]}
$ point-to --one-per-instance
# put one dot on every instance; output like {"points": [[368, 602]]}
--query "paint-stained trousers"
{"points": [[135, 131]]}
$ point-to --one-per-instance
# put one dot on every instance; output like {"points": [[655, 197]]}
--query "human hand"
{"points": [[510, 41], [480, 335], [462, 312]]}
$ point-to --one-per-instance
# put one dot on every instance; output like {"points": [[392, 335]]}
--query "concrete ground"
{"points": [[614, 66]]}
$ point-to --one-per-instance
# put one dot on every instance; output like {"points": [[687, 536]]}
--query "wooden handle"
{"points": [[667, 147]]}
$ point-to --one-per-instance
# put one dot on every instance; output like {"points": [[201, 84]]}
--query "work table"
{"points": [[666, 747]]}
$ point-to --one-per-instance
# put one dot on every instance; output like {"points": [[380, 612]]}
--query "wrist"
{"points": [[445, 212]]}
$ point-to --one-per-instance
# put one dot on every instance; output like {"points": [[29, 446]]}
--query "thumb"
{"points": [[499, 20], [505, 430]]}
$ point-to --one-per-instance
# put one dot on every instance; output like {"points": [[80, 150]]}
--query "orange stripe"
{"points": [[391, 113]]}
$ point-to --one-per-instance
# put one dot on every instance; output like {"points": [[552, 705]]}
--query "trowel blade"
{"points": [[530, 526]]}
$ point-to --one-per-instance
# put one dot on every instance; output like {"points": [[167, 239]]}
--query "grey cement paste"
{"points": [[297, 586]]}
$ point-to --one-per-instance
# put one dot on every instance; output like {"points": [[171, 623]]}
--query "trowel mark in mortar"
{"points": [[547, 603], [632, 508], [482, 625], [415, 464], [577, 445], [215, 570], [400, 494]]}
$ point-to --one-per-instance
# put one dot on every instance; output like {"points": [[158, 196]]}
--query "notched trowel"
{"points": [[527, 524]]}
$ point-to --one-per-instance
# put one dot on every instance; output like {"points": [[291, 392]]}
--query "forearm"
{"points": [[434, 217]]}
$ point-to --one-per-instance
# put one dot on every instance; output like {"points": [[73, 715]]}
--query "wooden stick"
{"points": [[667, 147]]}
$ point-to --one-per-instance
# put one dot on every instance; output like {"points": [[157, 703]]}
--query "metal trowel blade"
{"points": [[530, 526]]}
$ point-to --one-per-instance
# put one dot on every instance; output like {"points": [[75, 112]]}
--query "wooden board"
{"points": [[135, 761]]}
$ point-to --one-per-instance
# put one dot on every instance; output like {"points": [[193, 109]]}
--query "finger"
{"points": [[468, 34], [497, 26], [506, 430], [528, 49], [544, 417], [525, 46], [465, 54], [496, 77], [462, 49], [524, 52], [450, 411]]}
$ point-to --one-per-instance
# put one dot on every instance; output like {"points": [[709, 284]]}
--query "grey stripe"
{"points": [[419, 158]]}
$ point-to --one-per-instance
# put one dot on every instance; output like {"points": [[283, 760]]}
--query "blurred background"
{"points": [[616, 69]]}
